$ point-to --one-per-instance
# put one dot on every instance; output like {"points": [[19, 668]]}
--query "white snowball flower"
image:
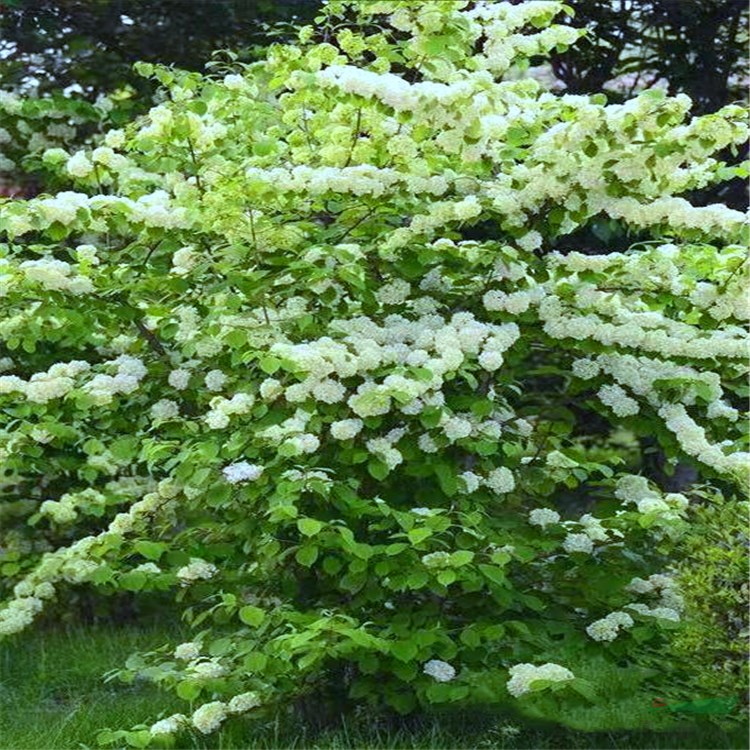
{"points": [[543, 517], [196, 570], [608, 628], [215, 380], [79, 165], [187, 651], [578, 543], [440, 671], [501, 480], [523, 675], [179, 379], [491, 360], [471, 481], [209, 717], [165, 409], [243, 702], [270, 389], [170, 725], [208, 669], [346, 429], [234, 82], [242, 471], [455, 428]]}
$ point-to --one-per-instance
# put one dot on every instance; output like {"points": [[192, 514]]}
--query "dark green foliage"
{"points": [[714, 580], [698, 46], [94, 43]]}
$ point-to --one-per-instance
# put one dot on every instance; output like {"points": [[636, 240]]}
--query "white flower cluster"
{"points": [[179, 379], [196, 570], [439, 214], [21, 611], [471, 480], [73, 563], [69, 208], [501, 481], [618, 400], [715, 220], [692, 439], [608, 628], [206, 669], [59, 380], [663, 586], [130, 371], [578, 543], [224, 408], [165, 409], [346, 429], [184, 260], [64, 510], [427, 342], [514, 303], [543, 517], [79, 165], [210, 716], [291, 435], [661, 613], [56, 275], [641, 373], [363, 179], [647, 331], [215, 380], [187, 651], [383, 448], [42, 387], [242, 472], [169, 725], [523, 677], [439, 670]]}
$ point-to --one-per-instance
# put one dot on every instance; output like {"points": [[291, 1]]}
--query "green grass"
{"points": [[52, 697]]}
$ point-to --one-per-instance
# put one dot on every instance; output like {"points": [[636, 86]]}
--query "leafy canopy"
{"points": [[298, 345]]}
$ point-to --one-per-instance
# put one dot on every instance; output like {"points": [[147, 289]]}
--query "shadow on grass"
{"points": [[52, 697]]}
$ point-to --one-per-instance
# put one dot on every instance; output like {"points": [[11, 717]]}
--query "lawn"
{"points": [[52, 696]]}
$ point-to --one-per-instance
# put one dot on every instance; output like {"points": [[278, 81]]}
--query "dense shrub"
{"points": [[714, 581], [299, 346]]}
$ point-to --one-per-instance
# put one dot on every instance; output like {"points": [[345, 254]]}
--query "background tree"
{"points": [[697, 48], [61, 43]]}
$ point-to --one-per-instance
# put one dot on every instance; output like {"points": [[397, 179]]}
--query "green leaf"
{"points": [[461, 557], [140, 738], [255, 661], [404, 650], [377, 469], [188, 690], [307, 555], [419, 535], [446, 577], [269, 364], [470, 637], [309, 526], [252, 616], [494, 574], [150, 550]]}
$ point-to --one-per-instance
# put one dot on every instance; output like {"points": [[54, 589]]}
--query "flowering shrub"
{"points": [[300, 346], [34, 129]]}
